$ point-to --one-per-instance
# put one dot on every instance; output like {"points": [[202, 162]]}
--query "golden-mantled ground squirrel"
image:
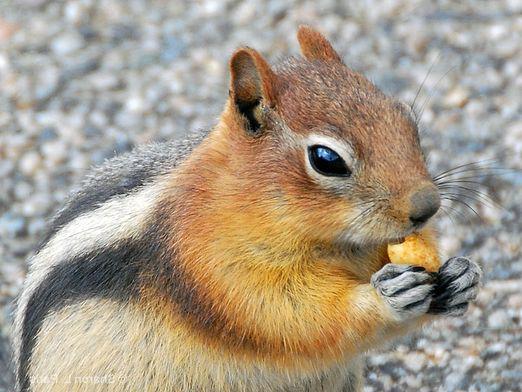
{"points": [[248, 258]]}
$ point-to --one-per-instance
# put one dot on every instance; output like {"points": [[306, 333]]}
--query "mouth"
{"points": [[352, 243], [415, 227], [392, 236]]}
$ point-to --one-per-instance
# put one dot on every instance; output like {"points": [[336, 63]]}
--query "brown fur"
{"points": [[250, 225], [314, 46], [273, 292], [251, 77]]}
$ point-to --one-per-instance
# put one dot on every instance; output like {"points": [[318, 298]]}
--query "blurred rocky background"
{"points": [[84, 80]]}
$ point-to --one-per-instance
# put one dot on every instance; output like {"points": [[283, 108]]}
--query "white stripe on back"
{"points": [[120, 218]]}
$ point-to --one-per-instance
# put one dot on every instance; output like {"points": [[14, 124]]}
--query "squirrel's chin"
{"points": [[360, 241]]}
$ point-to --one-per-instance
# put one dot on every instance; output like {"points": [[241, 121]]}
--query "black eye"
{"points": [[327, 162]]}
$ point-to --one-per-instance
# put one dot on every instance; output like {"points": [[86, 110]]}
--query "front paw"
{"points": [[407, 290], [457, 285]]}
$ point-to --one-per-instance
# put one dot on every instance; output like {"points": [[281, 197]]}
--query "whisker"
{"points": [[473, 198], [412, 105], [484, 198], [470, 169], [461, 184], [358, 221], [464, 215], [458, 181], [480, 172], [465, 189], [456, 199], [457, 212], [445, 211], [475, 177], [428, 99], [474, 164]]}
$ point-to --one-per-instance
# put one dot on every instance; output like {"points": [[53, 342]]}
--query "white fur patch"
{"points": [[121, 217], [129, 348]]}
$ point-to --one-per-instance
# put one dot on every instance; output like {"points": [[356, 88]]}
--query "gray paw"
{"points": [[406, 289], [457, 285]]}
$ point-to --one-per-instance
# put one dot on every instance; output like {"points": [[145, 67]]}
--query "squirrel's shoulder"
{"points": [[123, 174]]}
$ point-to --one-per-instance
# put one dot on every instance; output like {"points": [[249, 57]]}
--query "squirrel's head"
{"points": [[323, 150]]}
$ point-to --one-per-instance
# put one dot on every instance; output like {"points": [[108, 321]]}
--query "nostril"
{"points": [[425, 203]]}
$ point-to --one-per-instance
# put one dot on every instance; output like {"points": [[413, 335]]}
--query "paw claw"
{"points": [[457, 285], [406, 289]]}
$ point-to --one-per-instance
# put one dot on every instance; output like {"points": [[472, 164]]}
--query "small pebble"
{"points": [[499, 319], [414, 361], [11, 226], [67, 43], [30, 162], [456, 97]]}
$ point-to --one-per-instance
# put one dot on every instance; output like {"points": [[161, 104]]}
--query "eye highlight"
{"points": [[327, 162]]}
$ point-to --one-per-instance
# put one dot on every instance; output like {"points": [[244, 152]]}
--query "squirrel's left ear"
{"points": [[252, 84], [314, 45]]}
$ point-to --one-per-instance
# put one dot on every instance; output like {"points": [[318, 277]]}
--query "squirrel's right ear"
{"points": [[252, 84], [315, 46]]}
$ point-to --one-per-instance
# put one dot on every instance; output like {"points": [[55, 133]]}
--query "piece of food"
{"points": [[415, 250]]}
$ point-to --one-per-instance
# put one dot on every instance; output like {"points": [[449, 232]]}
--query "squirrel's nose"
{"points": [[424, 203]]}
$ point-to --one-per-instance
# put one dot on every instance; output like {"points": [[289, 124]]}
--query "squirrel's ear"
{"points": [[252, 83], [314, 45]]}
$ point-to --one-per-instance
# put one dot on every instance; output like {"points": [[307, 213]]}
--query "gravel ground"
{"points": [[84, 80]]}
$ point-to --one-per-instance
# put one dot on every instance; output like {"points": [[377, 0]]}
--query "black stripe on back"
{"points": [[89, 199], [110, 273], [122, 174], [117, 274], [117, 177]]}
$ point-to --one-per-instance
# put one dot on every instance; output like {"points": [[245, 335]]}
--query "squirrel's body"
{"points": [[93, 312], [221, 265]]}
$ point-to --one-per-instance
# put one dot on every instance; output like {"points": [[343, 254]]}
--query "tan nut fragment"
{"points": [[415, 250]]}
